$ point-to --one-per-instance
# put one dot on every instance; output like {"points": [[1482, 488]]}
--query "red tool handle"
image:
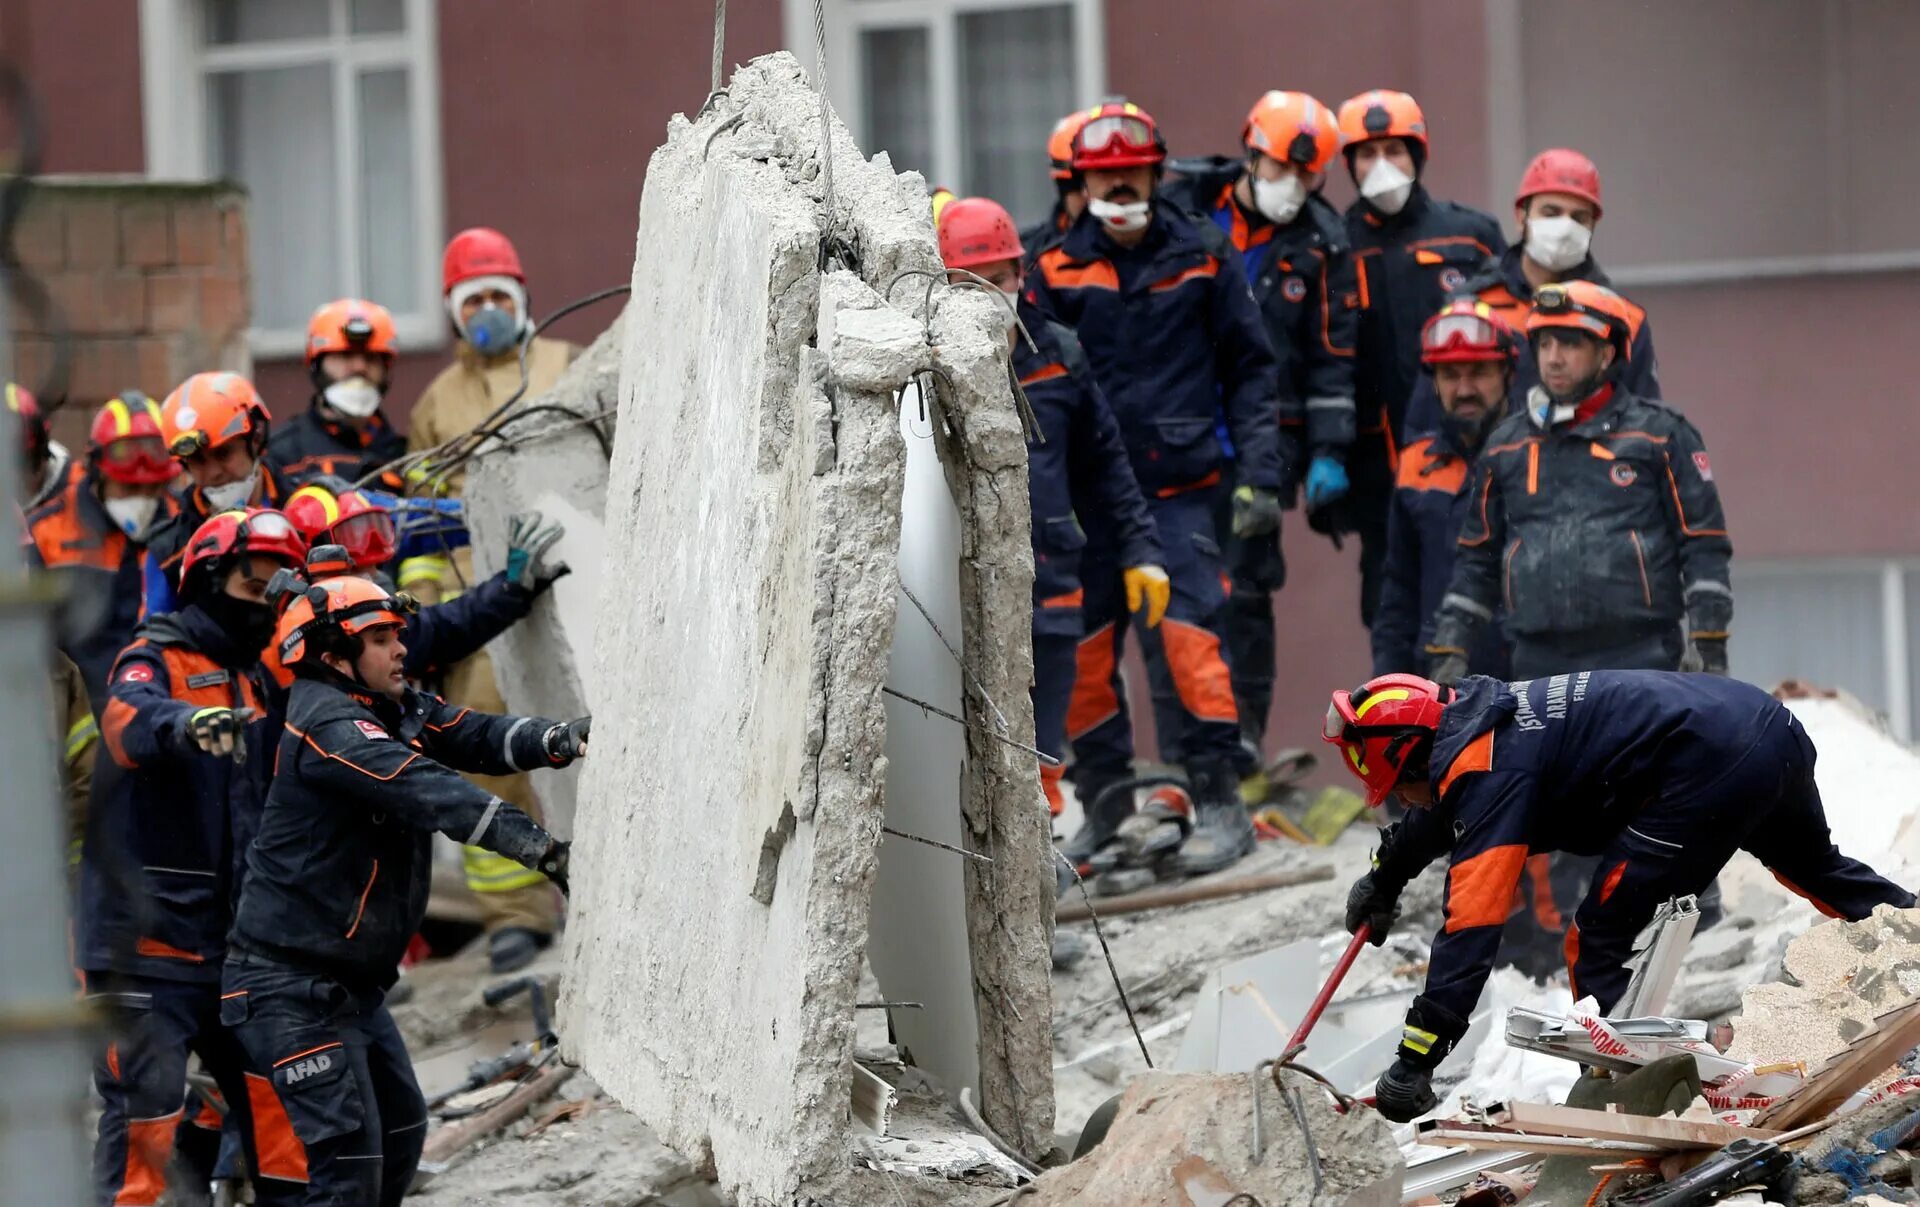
{"points": [[1339, 974]]}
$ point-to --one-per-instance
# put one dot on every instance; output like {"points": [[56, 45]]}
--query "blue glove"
{"points": [[1326, 481]]}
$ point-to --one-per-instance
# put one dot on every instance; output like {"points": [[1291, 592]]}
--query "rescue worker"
{"points": [[1173, 337], [486, 298], [351, 351], [1557, 210], [1293, 248], [1411, 251], [189, 726], [94, 533], [1078, 480], [352, 526], [1593, 517], [1070, 192], [1469, 352], [46, 465], [337, 879], [1664, 776], [80, 741], [217, 427]]}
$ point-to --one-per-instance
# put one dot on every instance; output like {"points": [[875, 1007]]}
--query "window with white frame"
{"points": [[327, 110], [964, 92]]}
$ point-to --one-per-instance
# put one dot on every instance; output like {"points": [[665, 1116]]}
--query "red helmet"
{"points": [[1378, 727], [231, 534], [350, 518], [975, 231], [1060, 143], [350, 325], [1467, 330], [125, 443], [1292, 127], [331, 609], [1382, 114], [1118, 134], [1561, 171], [35, 440], [479, 251], [1585, 306], [209, 409]]}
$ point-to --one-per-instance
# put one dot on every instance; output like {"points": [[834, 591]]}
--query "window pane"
{"points": [[387, 270], [272, 130], [894, 80], [378, 17], [230, 21], [1813, 624], [1016, 75]]}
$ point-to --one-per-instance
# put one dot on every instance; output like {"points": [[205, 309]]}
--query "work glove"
{"points": [[1404, 1092], [221, 732], [1326, 481], [567, 741], [553, 864], [1256, 511], [1711, 655], [1258, 563], [1147, 586], [1447, 667], [1374, 903], [530, 538]]}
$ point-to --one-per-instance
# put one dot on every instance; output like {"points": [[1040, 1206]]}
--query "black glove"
{"points": [[530, 539], [220, 731], [1256, 511], [1404, 1092], [553, 864], [1447, 667], [1259, 564], [1712, 652], [567, 741], [1371, 902]]}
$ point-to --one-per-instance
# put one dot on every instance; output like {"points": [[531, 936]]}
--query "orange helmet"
{"points": [[1292, 127], [1467, 330], [231, 534], [35, 440], [350, 518], [975, 231], [1118, 134], [124, 444], [324, 617], [1560, 170], [1585, 306], [209, 409], [1060, 143], [1382, 114], [350, 325], [1379, 725]]}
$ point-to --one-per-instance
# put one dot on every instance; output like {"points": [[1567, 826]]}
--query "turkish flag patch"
{"points": [[372, 732], [1700, 463], [138, 672]]}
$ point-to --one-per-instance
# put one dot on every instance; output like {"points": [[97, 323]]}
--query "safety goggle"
{"points": [[369, 537], [1132, 133], [189, 444], [141, 453], [1451, 331]]}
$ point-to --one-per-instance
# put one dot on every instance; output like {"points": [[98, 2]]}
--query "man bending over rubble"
{"points": [[1662, 775]]}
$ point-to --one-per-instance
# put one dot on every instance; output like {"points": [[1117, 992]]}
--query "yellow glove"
{"points": [[1147, 585]]}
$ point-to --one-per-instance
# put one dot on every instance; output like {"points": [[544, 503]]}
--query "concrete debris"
{"points": [[1181, 1139], [1841, 976]]}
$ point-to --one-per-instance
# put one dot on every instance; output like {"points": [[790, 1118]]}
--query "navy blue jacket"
{"points": [[1558, 764], [311, 445], [1044, 234], [160, 566], [1174, 337], [1406, 265], [337, 878], [440, 635], [1078, 479], [1429, 504], [1301, 275], [168, 824], [1505, 288]]}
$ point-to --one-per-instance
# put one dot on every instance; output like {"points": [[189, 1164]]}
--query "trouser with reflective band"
{"points": [[1184, 653], [141, 1075], [1766, 804], [1054, 658], [340, 1068]]}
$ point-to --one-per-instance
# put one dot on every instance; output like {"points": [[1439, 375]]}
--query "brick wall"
{"points": [[150, 279]]}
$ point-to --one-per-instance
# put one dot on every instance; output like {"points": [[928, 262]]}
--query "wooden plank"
{"points": [[1551, 1146], [873, 1099], [1834, 1082], [448, 1142], [1667, 1131], [1073, 909]]}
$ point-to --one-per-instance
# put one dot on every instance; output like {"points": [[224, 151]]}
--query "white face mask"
{"points": [[1279, 200], [1558, 243], [1121, 216], [1386, 187], [1009, 313], [233, 494], [355, 397], [133, 513]]}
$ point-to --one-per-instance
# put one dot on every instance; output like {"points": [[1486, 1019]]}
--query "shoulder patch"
{"points": [[1701, 463], [372, 732], [137, 672]]}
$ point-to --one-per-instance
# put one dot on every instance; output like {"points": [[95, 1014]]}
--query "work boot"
{"points": [[1223, 832], [512, 948], [1104, 812]]}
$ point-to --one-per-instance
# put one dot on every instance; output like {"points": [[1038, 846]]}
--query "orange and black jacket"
{"points": [[311, 445], [1174, 339], [168, 823], [74, 537], [1406, 265], [160, 568], [1610, 527], [337, 877], [1565, 763]]}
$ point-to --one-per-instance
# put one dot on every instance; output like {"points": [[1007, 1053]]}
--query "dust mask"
{"points": [[1386, 187], [1010, 313], [1121, 216], [132, 513], [1557, 244], [1279, 200], [356, 397], [234, 494]]}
